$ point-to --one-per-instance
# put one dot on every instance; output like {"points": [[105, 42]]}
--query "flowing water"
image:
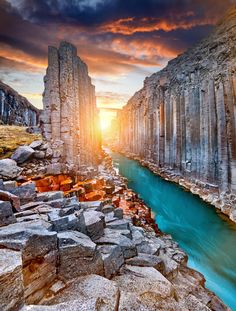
{"points": [[208, 239]]}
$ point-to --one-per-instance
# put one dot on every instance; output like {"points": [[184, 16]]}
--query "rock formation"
{"points": [[16, 109], [70, 116], [184, 118]]}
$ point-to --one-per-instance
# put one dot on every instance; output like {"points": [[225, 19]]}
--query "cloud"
{"points": [[115, 38]]}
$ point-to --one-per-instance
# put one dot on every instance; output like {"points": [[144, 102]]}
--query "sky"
{"points": [[122, 41]]}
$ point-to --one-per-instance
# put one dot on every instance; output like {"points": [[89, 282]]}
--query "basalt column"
{"points": [[184, 117], [70, 117]]}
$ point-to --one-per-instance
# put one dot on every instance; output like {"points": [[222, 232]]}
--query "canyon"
{"points": [[73, 236], [182, 123]]}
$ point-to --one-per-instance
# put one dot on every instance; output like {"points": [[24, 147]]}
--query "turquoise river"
{"points": [[208, 239]]}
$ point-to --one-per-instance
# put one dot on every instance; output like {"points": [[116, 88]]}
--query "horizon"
{"points": [[122, 43]]}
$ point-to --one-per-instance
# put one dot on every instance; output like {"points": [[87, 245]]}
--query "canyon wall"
{"points": [[16, 109], [184, 118], [70, 118]]}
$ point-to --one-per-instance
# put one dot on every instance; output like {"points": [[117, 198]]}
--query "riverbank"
{"points": [[223, 202], [89, 243]]}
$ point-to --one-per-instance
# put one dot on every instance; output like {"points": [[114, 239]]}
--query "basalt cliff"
{"points": [[183, 120], [16, 109], [70, 117]]}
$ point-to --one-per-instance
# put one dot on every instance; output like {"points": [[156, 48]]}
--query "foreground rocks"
{"points": [[183, 119], [66, 254]]}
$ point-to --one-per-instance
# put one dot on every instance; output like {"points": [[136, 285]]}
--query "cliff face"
{"points": [[184, 118], [16, 109], [70, 117]]}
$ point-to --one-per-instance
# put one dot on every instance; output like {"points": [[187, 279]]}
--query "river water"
{"points": [[207, 238]]}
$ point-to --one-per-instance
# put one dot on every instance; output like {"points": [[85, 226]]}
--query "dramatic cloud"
{"points": [[121, 41]]}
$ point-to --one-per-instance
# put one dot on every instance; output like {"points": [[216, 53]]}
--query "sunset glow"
{"points": [[121, 42]]}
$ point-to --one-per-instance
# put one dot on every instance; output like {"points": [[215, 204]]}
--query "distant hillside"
{"points": [[16, 109]]}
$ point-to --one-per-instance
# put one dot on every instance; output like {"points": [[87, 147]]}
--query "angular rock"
{"points": [[146, 260], [69, 222], [50, 196], [9, 169], [118, 212], [107, 209], [15, 200], [11, 280], [9, 185], [38, 154], [78, 255], [26, 193], [96, 205], [121, 224], [142, 288], [36, 144], [6, 214], [94, 222], [113, 259], [116, 237], [22, 154]]}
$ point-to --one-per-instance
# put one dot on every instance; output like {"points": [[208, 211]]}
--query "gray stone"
{"points": [[31, 205], [11, 280], [146, 260], [69, 222], [26, 193], [143, 288], [36, 144], [121, 224], [9, 169], [94, 222], [118, 212], [6, 214], [22, 154], [9, 185], [31, 238], [8, 196], [107, 209], [78, 255], [49, 196], [39, 154], [116, 237], [113, 259], [96, 205]]}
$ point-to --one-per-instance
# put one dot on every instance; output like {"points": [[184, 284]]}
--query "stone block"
{"points": [[94, 222], [22, 154], [6, 214]]}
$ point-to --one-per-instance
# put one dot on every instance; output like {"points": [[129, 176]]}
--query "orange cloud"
{"points": [[132, 25]]}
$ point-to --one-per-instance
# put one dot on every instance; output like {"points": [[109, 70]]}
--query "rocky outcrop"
{"points": [[16, 109], [184, 118], [70, 117]]}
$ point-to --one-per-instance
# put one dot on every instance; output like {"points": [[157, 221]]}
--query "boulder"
{"points": [[26, 193], [113, 259], [49, 196], [77, 255], [121, 224], [36, 144], [11, 280], [6, 214], [146, 260], [38, 154], [96, 205], [118, 212], [86, 293], [94, 222], [22, 154], [9, 169], [32, 238], [118, 237], [75, 221], [107, 209], [15, 200], [143, 288], [9, 185]]}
